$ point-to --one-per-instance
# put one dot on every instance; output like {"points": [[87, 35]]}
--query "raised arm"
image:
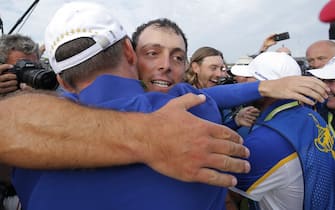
{"points": [[41, 131], [302, 88]]}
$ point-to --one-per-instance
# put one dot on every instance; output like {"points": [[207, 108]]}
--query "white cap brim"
{"points": [[241, 70], [327, 72]]}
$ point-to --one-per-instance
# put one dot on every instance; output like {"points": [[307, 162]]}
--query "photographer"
{"points": [[12, 49]]}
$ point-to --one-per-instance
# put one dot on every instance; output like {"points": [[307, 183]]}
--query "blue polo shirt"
{"points": [[126, 187], [135, 186]]}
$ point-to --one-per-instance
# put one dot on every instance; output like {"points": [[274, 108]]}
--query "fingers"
{"points": [[5, 67], [215, 178], [7, 77], [309, 88], [224, 133], [8, 83], [231, 164], [230, 148], [308, 100], [247, 116], [8, 89], [315, 88], [300, 88]]}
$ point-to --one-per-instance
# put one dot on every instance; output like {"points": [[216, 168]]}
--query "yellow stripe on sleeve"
{"points": [[272, 170]]}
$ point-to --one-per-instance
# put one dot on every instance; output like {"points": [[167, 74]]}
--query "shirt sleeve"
{"points": [[268, 155], [228, 96]]}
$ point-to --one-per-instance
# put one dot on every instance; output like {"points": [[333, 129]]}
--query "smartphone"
{"points": [[281, 36]]}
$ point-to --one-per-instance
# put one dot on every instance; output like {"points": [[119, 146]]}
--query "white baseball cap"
{"points": [[81, 19], [327, 72], [273, 65], [241, 67]]}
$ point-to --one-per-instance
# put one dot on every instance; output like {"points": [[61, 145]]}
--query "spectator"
{"points": [[319, 53], [287, 173], [270, 41], [12, 49], [206, 68], [327, 109], [267, 43]]}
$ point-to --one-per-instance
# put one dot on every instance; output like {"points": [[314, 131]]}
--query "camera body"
{"points": [[226, 80], [34, 75], [281, 36]]}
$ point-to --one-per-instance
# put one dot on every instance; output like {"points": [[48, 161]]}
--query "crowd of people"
{"points": [[135, 125]]}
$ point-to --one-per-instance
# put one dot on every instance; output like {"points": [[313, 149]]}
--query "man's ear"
{"points": [[65, 85], [129, 52]]}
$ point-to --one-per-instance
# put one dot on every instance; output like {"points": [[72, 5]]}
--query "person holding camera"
{"points": [[206, 69], [22, 67], [12, 49], [271, 40]]}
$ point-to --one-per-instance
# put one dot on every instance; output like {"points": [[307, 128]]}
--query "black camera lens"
{"points": [[39, 79], [34, 75]]}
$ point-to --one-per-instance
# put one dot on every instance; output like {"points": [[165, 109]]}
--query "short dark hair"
{"points": [[108, 58], [159, 23]]}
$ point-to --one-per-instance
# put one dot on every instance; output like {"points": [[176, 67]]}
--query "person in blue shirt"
{"points": [[291, 146], [318, 54], [206, 69]]}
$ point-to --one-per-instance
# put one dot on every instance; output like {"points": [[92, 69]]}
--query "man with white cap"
{"points": [[320, 56], [240, 69], [327, 74], [291, 148]]}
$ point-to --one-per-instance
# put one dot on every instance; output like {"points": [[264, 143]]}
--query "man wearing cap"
{"points": [[320, 57], [292, 166], [240, 69]]}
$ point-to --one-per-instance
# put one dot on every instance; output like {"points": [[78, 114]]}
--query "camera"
{"points": [[34, 75], [226, 80], [281, 36]]}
